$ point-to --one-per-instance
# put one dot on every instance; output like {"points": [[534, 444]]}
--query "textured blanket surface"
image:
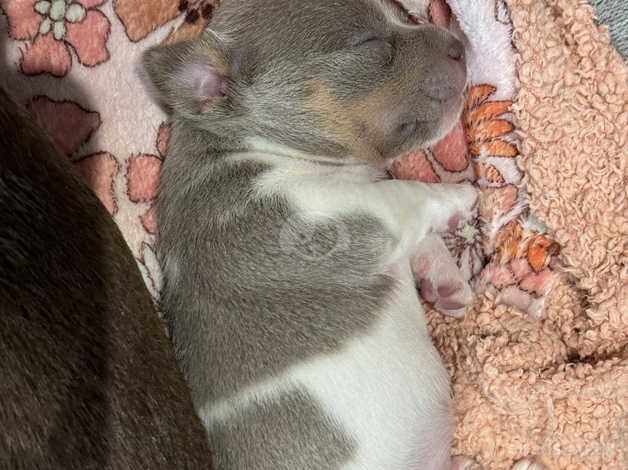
{"points": [[557, 387]]}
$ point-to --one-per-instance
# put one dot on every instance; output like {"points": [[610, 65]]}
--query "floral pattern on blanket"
{"points": [[71, 125], [51, 45], [52, 28], [143, 178], [141, 18]]}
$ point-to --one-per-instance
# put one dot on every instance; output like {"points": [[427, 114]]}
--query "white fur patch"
{"points": [[407, 209], [387, 389]]}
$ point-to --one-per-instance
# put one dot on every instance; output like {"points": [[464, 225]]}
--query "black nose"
{"points": [[455, 50]]}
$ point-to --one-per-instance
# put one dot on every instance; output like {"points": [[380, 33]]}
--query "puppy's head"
{"points": [[349, 79]]}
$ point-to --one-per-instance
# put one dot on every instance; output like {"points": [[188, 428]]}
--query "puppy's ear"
{"points": [[190, 77]]}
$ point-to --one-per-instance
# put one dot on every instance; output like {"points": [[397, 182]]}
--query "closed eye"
{"points": [[382, 47]]}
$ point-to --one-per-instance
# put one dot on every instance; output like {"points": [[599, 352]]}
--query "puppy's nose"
{"points": [[455, 50], [445, 73]]}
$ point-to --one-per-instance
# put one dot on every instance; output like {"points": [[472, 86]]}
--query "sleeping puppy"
{"points": [[286, 251], [87, 377]]}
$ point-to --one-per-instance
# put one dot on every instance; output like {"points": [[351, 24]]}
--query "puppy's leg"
{"points": [[409, 210], [440, 205], [439, 278], [427, 208]]}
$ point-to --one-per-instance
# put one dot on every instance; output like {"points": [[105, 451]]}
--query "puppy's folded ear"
{"points": [[189, 78]]}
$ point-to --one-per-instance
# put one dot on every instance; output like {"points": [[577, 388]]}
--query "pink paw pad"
{"points": [[443, 287]]}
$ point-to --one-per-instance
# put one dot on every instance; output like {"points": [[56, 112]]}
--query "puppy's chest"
{"points": [[296, 244], [282, 209], [284, 284]]}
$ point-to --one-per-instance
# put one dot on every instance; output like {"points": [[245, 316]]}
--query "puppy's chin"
{"points": [[438, 129], [451, 115]]}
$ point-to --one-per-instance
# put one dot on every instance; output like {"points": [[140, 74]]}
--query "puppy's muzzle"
{"points": [[448, 76]]}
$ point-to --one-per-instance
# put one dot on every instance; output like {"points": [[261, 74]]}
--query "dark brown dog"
{"points": [[87, 376]]}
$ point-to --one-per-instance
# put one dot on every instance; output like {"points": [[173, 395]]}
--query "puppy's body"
{"points": [[333, 323], [287, 282], [87, 377]]}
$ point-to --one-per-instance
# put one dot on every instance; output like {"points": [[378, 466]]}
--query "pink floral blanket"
{"points": [[73, 63]]}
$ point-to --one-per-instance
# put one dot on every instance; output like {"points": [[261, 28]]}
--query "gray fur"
{"points": [[614, 13], [241, 306], [302, 437], [250, 306]]}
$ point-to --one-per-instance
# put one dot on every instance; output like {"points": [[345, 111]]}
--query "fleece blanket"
{"points": [[543, 128]]}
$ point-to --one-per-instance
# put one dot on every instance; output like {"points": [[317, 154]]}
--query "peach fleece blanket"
{"points": [[555, 388]]}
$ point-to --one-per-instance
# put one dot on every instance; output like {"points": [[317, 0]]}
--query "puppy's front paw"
{"points": [[467, 200], [446, 290], [458, 202], [440, 281]]}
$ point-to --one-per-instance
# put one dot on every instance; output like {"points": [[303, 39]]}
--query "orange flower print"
{"points": [[507, 241], [143, 178], [495, 202], [53, 28], [70, 126], [447, 157], [142, 18], [540, 250], [484, 131], [517, 241], [488, 172]]}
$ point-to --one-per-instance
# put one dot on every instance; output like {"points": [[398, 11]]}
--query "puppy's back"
{"points": [[87, 377]]}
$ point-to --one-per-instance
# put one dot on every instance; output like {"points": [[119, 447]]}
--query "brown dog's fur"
{"points": [[87, 376]]}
